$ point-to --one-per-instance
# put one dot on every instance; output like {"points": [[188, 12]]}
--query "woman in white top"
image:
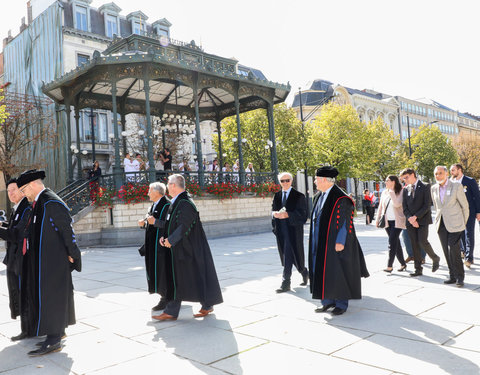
{"points": [[391, 206], [236, 169]]}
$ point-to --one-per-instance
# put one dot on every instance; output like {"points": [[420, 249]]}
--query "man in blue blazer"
{"points": [[470, 188]]}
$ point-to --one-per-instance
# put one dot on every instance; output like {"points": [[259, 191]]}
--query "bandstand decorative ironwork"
{"points": [[148, 75]]}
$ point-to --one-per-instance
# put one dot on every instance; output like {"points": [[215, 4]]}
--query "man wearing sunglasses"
{"points": [[289, 211]]}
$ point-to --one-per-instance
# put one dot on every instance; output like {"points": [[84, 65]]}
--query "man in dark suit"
{"points": [[470, 188], [12, 232], [417, 202], [289, 211]]}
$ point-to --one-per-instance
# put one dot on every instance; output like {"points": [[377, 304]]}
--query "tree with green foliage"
{"points": [[431, 148], [337, 137], [292, 148], [386, 153]]}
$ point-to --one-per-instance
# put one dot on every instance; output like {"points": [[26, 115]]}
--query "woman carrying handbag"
{"points": [[390, 216]]}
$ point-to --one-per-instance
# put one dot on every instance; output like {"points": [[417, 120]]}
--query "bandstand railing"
{"points": [[78, 195]]}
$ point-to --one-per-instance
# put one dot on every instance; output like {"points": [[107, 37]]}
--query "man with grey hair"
{"points": [[336, 259], [193, 277], [289, 212], [154, 224], [452, 214]]}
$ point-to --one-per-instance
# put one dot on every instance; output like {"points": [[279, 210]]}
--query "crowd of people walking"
{"points": [[42, 250]]}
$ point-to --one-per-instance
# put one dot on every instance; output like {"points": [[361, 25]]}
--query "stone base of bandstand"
{"points": [[117, 226]]}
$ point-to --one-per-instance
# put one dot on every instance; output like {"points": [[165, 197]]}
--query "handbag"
{"points": [[381, 221]]}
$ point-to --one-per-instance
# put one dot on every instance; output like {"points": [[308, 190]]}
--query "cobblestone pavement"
{"points": [[402, 325]]}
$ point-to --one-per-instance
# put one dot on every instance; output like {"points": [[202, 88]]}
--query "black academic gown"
{"points": [[12, 233], [50, 241], [193, 277], [291, 229], [154, 253], [336, 275]]}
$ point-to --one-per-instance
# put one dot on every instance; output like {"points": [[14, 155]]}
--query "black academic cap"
{"points": [[327, 171], [29, 176]]}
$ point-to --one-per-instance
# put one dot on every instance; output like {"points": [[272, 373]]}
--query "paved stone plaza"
{"points": [[401, 326]]}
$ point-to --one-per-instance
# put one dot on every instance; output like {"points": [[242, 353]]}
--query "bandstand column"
{"points": [[220, 148], [69, 142], [239, 139], [117, 169], [201, 180], [124, 139], [77, 131], [151, 162], [271, 125]]}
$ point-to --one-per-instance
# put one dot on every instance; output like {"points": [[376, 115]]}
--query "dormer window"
{"points": [[162, 27], [111, 25], [110, 13], [138, 27], [81, 14], [138, 21]]}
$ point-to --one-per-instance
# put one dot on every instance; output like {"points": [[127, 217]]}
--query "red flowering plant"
{"points": [[133, 193], [225, 190], [264, 189], [102, 196], [193, 189]]}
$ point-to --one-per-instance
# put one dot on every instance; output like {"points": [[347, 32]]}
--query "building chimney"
{"points": [[29, 12], [23, 26]]}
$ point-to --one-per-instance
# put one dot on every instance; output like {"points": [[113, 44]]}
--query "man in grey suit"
{"points": [[452, 215]]}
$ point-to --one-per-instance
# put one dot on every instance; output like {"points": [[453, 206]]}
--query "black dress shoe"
{"points": [[450, 281], [161, 305], [324, 308], [305, 278], [338, 311], [285, 287], [435, 265], [45, 349], [459, 283], [416, 273], [21, 336]]}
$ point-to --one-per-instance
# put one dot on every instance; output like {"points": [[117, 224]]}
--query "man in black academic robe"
{"points": [[336, 259], [12, 232], [154, 224], [52, 254], [193, 277], [289, 211]]}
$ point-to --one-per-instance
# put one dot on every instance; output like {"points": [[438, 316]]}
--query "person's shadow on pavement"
{"points": [[201, 341], [405, 334]]}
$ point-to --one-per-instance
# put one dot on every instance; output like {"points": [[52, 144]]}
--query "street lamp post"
{"points": [[92, 126], [306, 168], [409, 142]]}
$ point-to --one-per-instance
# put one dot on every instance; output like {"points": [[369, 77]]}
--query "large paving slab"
{"points": [[402, 325]]}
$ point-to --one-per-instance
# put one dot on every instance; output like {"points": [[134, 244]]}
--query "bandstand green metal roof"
{"points": [[172, 69]]}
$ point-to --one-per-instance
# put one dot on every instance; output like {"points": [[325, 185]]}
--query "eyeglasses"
{"points": [[283, 181], [23, 187]]}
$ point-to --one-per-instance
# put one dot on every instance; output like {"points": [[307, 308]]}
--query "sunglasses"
{"points": [[282, 181]]}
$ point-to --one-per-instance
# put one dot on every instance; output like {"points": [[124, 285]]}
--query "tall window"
{"points": [[137, 28], [99, 127], [82, 59], [111, 26], [81, 18]]}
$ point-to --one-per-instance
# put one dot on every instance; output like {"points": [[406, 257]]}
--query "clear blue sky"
{"points": [[416, 49]]}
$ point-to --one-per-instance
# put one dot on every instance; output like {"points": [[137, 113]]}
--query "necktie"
{"points": [[24, 248], [318, 207], [284, 200]]}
